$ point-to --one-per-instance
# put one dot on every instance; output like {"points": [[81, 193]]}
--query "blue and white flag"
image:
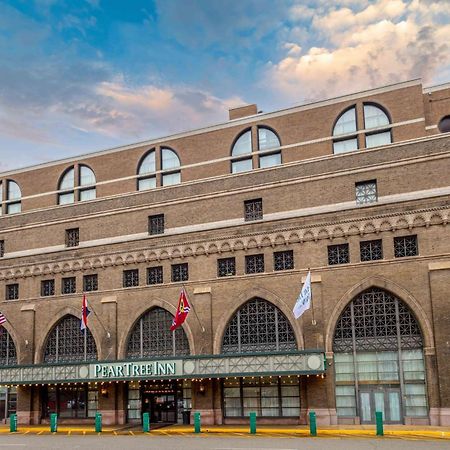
{"points": [[304, 299]]}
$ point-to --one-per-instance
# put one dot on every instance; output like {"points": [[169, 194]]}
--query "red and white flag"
{"points": [[85, 311], [182, 311], [2, 319]]}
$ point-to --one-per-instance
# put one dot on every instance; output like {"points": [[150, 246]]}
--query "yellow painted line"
{"points": [[26, 432], [132, 434], [40, 432], [115, 433], [84, 433]]}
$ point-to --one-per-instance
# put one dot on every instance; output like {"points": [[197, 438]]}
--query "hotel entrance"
{"points": [[160, 400]]}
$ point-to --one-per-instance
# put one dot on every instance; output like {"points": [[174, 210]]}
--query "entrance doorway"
{"points": [[160, 401], [380, 398]]}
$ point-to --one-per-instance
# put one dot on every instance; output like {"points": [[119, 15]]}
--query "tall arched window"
{"points": [[258, 326], [76, 183], [375, 117], [345, 138], [8, 355], [169, 167], [268, 147], [67, 343], [11, 203], [151, 336], [378, 359]]}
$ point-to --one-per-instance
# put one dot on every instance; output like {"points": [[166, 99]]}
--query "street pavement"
{"points": [[213, 442]]}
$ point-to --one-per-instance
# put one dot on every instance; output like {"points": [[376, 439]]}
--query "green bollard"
{"points": [[197, 426], [146, 422], [13, 423], [312, 424], [98, 423], [379, 421], [53, 422], [252, 423]]}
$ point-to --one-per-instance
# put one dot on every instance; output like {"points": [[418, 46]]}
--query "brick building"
{"points": [[357, 188]]}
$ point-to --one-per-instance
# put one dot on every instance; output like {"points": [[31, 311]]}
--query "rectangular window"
{"points": [[226, 267], [156, 224], [68, 285], [283, 260], [180, 272], [47, 288], [253, 209], [131, 278], [73, 237], [254, 264], [338, 254], [371, 250], [90, 283], [366, 192], [12, 291], [2, 249], [155, 275], [406, 246]]}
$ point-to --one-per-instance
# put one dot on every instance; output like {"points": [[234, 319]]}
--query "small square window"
{"points": [[180, 272], [131, 278], [371, 250], [253, 209], [47, 288], [2, 249], [283, 260], [338, 254], [406, 246], [12, 291], [155, 275], [226, 267], [90, 283], [254, 264], [366, 192], [69, 285], [156, 224], [73, 237]]}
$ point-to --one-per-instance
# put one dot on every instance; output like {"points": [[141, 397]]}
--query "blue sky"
{"points": [[82, 75]]}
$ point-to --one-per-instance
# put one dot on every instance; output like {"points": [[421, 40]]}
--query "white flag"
{"points": [[304, 299]]}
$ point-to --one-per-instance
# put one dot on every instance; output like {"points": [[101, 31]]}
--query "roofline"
{"points": [[222, 125], [437, 87]]}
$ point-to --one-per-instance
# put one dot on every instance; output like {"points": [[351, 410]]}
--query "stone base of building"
{"points": [[264, 421], [324, 416], [440, 417]]}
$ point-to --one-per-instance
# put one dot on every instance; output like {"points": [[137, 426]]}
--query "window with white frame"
{"points": [[78, 183]]}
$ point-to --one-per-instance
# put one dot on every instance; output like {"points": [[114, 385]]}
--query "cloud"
{"points": [[385, 42]]}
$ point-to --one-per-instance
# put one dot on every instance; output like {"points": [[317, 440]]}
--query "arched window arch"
{"points": [[8, 354], [345, 138], [67, 343], [378, 359], [376, 117], [77, 183], [269, 148], [151, 336], [10, 198], [147, 171], [170, 167], [258, 326]]}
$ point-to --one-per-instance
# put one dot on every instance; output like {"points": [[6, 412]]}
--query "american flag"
{"points": [[2, 319]]}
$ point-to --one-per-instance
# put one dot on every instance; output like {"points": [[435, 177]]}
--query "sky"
{"points": [[77, 76]]}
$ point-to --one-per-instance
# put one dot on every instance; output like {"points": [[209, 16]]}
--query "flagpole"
{"points": [[108, 334], [195, 312], [313, 320]]}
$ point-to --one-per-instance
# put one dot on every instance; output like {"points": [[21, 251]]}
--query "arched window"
{"points": [[258, 326], [8, 355], [11, 203], [70, 183], [242, 153], [269, 148], [375, 117], [151, 336], [170, 166], [345, 138], [444, 125], [378, 359], [146, 171], [67, 343]]}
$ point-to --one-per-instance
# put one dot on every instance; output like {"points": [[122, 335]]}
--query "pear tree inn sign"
{"points": [[219, 366]]}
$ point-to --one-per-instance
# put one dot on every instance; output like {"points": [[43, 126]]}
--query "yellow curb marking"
{"points": [[132, 434]]}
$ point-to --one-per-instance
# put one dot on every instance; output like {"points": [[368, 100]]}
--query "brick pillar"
{"points": [[107, 402], [108, 316], [24, 404], [203, 396], [201, 301], [28, 334]]}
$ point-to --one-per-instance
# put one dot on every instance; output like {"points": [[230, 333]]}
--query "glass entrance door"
{"points": [[160, 400], [384, 399]]}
